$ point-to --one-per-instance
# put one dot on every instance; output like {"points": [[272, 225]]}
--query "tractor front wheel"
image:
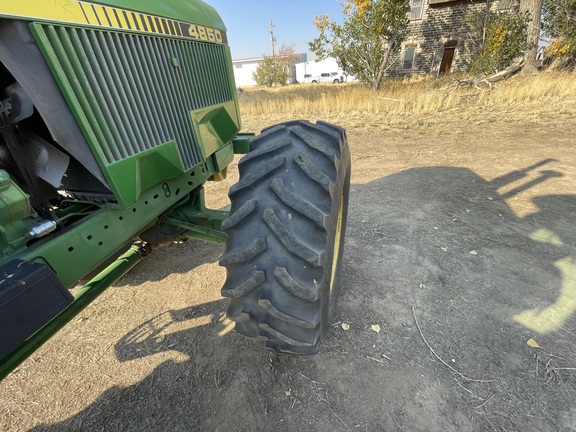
{"points": [[286, 235]]}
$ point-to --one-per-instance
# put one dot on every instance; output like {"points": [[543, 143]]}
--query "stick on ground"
{"points": [[461, 375]]}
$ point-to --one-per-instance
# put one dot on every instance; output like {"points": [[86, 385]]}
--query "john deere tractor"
{"points": [[113, 115]]}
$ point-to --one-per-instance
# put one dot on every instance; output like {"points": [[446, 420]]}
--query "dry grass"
{"points": [[416, 103]]}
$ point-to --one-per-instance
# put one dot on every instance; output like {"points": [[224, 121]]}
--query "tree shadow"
{"points": [[440, 244]]}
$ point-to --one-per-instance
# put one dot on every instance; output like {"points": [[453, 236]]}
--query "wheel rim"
{"points": [[337, 237]]}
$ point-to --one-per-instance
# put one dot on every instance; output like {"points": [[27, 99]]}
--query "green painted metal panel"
{"points": [[146, 169], [193, 11], [131, 93], [215, 126], [15, 221], [98, 237], [184, 18], [223, 157]]}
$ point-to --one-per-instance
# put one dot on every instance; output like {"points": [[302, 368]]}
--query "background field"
{"points": [[417, 103], [461, 248]]}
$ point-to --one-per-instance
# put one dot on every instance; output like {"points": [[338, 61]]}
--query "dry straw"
{"points": [[415, 102]]}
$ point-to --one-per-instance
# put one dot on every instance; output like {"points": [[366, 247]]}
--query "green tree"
{"points": [[276, 70], [560, 24], [266, 74], [367, 41], [501, 38]]}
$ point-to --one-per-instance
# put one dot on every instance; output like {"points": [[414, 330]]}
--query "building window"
{"points": [[409, 54], [416, 7], [238, 65]]}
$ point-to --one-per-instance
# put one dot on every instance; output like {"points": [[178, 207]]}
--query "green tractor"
{"points": [[113, 115]]}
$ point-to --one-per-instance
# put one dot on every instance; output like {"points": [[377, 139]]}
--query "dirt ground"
{"points": [[457, 312]]}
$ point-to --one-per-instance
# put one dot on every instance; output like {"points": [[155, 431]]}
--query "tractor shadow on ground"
{"points": [[456, 282], [181, 258]]}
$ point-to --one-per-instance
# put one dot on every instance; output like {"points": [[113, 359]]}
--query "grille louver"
{"points": [[133, 92]]}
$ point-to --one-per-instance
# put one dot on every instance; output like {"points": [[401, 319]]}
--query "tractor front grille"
{"points": [[131, 93]]}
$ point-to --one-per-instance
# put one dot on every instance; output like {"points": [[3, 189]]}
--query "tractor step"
{"points": [[30, 296]]}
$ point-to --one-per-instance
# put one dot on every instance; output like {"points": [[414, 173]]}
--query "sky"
{"points": [[248, 22]]}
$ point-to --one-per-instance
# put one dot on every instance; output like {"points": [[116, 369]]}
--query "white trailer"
{"points": [[321, 71]]}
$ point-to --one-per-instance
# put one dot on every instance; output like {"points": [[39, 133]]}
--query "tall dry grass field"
{"points": [[416, 103]]}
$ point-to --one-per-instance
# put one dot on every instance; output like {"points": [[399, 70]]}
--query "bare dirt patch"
{"points": [[460, 250]]}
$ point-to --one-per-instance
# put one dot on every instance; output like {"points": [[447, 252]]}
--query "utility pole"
{"points": [[273, 40]]}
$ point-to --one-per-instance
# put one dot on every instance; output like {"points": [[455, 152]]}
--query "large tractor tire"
{"points": [[286, 235]]}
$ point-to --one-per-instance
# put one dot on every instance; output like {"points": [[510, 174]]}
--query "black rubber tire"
{"points": [[288, 207]]}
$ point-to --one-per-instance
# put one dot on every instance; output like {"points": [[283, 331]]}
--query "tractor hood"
{"points": [[107, 13]]}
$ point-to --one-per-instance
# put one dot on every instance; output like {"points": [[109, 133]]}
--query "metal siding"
{"points": [[130, 95]]}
